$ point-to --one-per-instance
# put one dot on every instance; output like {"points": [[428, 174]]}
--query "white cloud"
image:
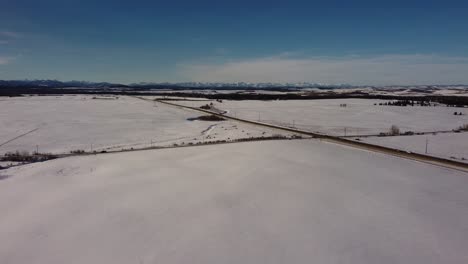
{"points": [[5, 60], [6, 37], [10, 34], [377, 70]]}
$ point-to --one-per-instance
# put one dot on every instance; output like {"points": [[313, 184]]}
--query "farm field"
{"points": [[359, 117], [445, 145], [60, 124], [256, 202]]}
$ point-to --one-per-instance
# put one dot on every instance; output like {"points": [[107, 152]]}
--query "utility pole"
{"points": [[427, 142], [37, 149]]}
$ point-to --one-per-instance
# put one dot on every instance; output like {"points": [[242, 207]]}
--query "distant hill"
{"points": [[55, 84], [209, 85], [145, 85]]}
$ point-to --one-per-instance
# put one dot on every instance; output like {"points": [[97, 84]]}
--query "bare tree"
{"points": [[394, 130]]}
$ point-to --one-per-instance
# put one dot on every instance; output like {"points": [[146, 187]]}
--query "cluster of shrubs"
{"points": [[395, 131], [273, 137], [80, 151], [24, 156], [77, 151], [406, 103], [105, 98], [456, 113], [210, 118], [207, 106], [200, 143]]}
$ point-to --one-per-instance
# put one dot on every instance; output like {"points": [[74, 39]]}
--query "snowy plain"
{"points": [[300, 201], [359, 117], [452, 146], [59, 124]]}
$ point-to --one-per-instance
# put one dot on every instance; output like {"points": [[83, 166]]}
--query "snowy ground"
{"points": [[64, 123], [446, 145], [360, 116], [259, 202]]}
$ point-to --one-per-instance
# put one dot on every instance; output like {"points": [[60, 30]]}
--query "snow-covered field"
{"points": [[360, 116], [258, 202], [59, 124], [446, 145]]}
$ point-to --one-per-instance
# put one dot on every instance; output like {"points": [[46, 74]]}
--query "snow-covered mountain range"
{"points": [[211, 85]]}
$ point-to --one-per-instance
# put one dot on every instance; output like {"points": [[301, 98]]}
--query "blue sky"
{"points": [[364, 42]]}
